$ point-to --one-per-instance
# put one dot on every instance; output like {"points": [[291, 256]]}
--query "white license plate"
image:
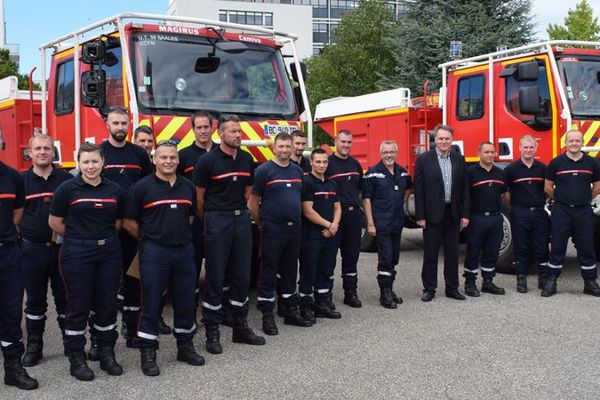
{"points": [[274, 130]]}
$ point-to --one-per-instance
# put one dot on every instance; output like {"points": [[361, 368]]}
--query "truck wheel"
{"points": [[505, 256], [367, 242]]}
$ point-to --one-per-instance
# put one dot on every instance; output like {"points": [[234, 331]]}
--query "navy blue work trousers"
{"points": [[388, 253], [531, 233], [11, 300], [348, 241], [316, 271], [484, 235], [91, 272]]}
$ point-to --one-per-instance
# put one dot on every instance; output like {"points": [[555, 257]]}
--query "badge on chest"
{"points": [[173, 206]]}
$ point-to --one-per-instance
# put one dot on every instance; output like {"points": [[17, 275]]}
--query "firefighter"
{"points": [[160, 209], [202, 125], [386, 187], [568, 181], [125, 163], [275, 204], [297, 157], [87, 211], [12, 200], [484, 234], [322, 213], [223, 180], [40, 248], [347, 173], [143, 136], [529, 220]]}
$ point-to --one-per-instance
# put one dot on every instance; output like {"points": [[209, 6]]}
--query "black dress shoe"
{"points": [[427, 296], [456, 295]]}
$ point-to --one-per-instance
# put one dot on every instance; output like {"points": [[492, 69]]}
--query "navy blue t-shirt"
{"points": [[90, 212], [304, 164], [573, 179], [162, 211], [526, 184], [486, 188], [323, 194], [125, 165], [188, 157], [38, 197], [12, 197], [348, 175], [280, 190]]}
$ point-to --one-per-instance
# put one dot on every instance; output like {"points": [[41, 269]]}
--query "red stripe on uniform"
{"points": [[575, 171], [126, 166], [227, 175], [527, 179], [171, 201], [499, 182], [114, 201], [274, 181], [344, 174], [8, 196], [325, 193], [188, 169], [38, 195]]}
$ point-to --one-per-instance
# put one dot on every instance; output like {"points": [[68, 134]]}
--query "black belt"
{"points": [[95, 242], [530, 208], [487, 213], [349, 208], [49, 243], [7, 242], [235, 213]]}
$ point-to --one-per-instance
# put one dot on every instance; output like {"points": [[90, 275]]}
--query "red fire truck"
{"points": [[543, 89], [163, 68]]}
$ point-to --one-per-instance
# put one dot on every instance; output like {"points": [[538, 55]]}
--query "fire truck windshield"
{"points": [[176, 74], [582, 84]]}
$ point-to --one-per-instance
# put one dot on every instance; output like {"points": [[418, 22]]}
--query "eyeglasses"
{"points": [[167, 143]]}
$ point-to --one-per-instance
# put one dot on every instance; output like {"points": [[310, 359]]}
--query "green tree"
{"points": [[9, 68], [351, 66], [579, 24], [421, 38]]}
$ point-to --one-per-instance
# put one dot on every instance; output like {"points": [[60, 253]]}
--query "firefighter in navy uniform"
{"points": [[12, 200], [572, 180], [223, 180], [87, 211], [297, 156], [347, 173], [124, 163], [202, 125], [487, 185], [529, 220], [322, 213], [386, 187], [40, 250], [276, 205], [160, 209]]}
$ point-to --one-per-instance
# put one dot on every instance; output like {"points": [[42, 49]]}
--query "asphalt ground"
{"points": [[492, 347]]}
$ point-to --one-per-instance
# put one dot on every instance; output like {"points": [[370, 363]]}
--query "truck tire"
{"points": [[505, 256]]}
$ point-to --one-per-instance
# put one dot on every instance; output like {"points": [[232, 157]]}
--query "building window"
{"points": [[65, 93], [247, 17], [470, 97]]}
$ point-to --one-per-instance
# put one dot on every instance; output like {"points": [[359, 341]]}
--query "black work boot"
{"points": [[541, 280], [79, 368], [521, 283], [591, 287], [281, 309], [397, 299], [308, 314], [93, 352], [549, 286], [323, 310], [148, 361], [213, 342], [470, 288], [329, 301], [293, 317], [386, 298], [33, 354], [488, 286], [269, 326], [108, 361], [163, 328], [16, 375], [227, 319], [351, 298], [243, 334], [188, 354]]}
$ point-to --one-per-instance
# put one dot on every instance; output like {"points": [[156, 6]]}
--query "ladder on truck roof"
{"points": [[118, 22], [490, 58]]}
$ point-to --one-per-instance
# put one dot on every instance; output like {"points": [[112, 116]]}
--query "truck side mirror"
{"points": [[294, 71], [93, 89], [529, 100], [527, 71], [93, 52]]}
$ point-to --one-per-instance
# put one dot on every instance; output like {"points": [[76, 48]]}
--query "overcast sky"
{"points": [[31, 23]]}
